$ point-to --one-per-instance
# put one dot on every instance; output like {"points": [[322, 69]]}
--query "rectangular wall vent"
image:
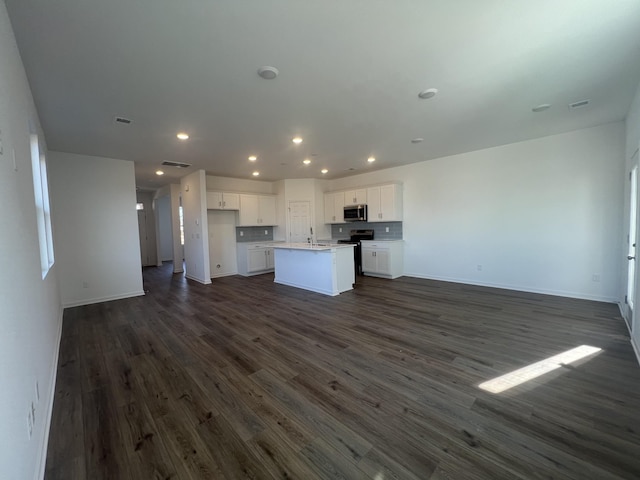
{"points": [[123, 120], [580, 104], [177, 164]]}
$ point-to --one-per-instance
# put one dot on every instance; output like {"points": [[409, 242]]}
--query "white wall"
{"points": [[196, 237], [30, 309], [148, 216], [163, 221], [543, 215], [226, 184], [96, 232], [303, 189], [280, 232]]}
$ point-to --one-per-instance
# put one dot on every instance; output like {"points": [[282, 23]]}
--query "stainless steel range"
{"points": [[354, 239]]}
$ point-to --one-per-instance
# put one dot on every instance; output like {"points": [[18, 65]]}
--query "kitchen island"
{"points": [[326, 269]]}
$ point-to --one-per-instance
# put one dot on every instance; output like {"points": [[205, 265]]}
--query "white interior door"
{"points": [[632, 277], [300, 221], [222, 243]]}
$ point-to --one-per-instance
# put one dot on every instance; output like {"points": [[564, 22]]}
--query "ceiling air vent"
{"points": [[122, 120], [176, 164], [580, 104]]}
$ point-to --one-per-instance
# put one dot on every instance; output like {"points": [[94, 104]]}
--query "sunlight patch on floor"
{"points": [[522, 375]]}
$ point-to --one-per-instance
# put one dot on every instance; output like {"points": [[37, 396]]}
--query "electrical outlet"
{"points": [[340, 229], [241, 233], [266, 232], [479, 267], [595, 277], [85, 284], [386, 229]]}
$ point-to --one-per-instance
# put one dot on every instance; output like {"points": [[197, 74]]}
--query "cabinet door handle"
{"points": [[224, 204], [219, 204]]}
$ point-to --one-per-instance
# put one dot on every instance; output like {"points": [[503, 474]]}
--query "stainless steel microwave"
{"points": [[355, 213]]}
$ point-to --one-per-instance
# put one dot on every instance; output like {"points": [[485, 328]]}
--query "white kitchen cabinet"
{"points": [[223, 201], [384, 203], [334, 207], [383, 258], [255, 258], [355, 197], [257, 210], [267, 209]]}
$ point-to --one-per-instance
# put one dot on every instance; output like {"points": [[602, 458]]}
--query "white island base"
{"points": [[323, 269]]}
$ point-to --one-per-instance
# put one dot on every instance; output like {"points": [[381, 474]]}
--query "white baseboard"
{"points": [[42, 454], [109, 298], [199, 280], [556, 293], [636, 349]]}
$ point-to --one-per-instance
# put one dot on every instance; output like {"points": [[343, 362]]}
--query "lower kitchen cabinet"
{"points": [[383, 258], [255, 258]]}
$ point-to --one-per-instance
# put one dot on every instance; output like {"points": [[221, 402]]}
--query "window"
{"points": [[43, 208], [181, 215]]}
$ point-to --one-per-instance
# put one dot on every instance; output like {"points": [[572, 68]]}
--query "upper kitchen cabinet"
{"points": [[257, 210], [334, 207], [223, 201], [355, 197], [385, 203]]}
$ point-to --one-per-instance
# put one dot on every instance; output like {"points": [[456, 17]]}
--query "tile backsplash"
{"points": [[254, 234], [379, 230]]}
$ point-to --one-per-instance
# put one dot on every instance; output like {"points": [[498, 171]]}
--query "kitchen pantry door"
{"points": [[300, 222], [222, 243]]}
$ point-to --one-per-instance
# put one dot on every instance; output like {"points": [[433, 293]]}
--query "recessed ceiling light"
{"points": [[253, 158], [268, 73], [183, 136], [255, 174], [428, 93], [159, 172], [417, 140], [297, 140], [371, 159], [324, 170], [541, 108], [306, 161]]}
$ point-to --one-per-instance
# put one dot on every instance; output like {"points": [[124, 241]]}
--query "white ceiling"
{"points": [[350, 74]]}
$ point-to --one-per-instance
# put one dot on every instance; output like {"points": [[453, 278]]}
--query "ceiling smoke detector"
{"points": [[268, 73], [428, 93]]}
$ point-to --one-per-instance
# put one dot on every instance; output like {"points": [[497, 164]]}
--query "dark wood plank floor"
{"points": [[246, 379]]}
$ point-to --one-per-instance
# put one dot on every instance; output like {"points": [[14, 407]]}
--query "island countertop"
{"points": [[327, 269], [318, 247]]}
